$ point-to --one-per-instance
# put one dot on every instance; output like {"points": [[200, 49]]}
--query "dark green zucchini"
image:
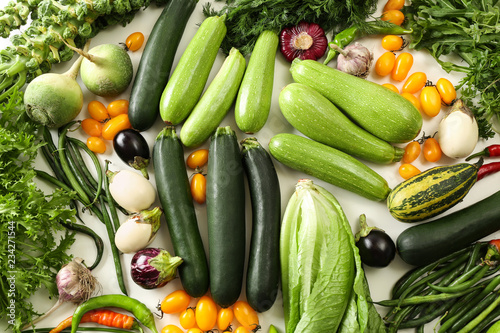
{"points": [[263, 270], [424, 243], [174, 192], [225, 217], [156, 62]]}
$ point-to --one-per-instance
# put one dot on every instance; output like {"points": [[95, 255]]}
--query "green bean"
{"points": [[414, 300], [488, 321], [481, 316], [456, 325], [424, 319], [65, 167], [477, 272], [398, 318], [475, 254], [78, 174], [50, 154]]}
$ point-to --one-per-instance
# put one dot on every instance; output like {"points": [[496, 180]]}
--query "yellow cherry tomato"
{"points": [[98, 111], [197, 159], [206, 313], [96, 144], [175, 302], [414, 100], [402, 66], [407, 170], [385, 63], [224, 318], [134, 41], [430, 101], [241, 329], [446, 91], [393, 43], [394, 5], [246, 315], [171, 329], [199, 188], [432, 150], [194, 330], [412, 152], [92, 127], [115, 125], [394, 16], [392, 87], [414, 82], [115, 108], [187, 318]]}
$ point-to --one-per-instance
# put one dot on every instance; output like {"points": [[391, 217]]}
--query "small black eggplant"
{"points": [[133, 149], [376, 248]]}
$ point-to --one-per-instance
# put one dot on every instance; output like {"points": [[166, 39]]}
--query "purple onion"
{"points": [[153, 268]]}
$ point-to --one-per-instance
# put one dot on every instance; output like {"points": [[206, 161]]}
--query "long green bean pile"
{"points": [[462, 290]]}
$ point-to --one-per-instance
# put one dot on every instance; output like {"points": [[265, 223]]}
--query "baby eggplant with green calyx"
{"points": [[376, 248], [133, 149]]}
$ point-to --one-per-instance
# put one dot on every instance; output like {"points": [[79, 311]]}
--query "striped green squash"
{"points": [[431, 192]]}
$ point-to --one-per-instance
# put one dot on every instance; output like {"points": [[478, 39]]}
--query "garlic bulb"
{"points": [[354, 59]]}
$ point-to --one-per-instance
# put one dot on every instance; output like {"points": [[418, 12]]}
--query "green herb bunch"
{"points": [[246, 19], [469, 29], [33, 243]]}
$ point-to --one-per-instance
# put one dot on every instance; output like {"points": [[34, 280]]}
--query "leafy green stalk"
{"points": [[32, 245], [246, 19], [468, 29]]}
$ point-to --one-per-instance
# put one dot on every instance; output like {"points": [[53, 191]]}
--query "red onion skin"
{"points": [[315, 51]]}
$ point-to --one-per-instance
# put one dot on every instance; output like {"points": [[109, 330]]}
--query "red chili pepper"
{"points": [[103, 317], [490, 151], [488, 169]]}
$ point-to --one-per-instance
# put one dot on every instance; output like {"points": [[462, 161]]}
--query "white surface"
{"points": [[380, 280]]}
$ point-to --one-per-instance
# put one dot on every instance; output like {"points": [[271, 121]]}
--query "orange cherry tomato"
{"points": [[199, 188], [414, 82], [392, 87], [96, 144], [206, 313], [134, 41], [385, 63], [394, 5], [407, 170], [412, 152], [98, 111], [402, 66], [115, 125], [175, 302], [446, 91], [171, 329], [414, 100], [187, 318], [224, 318], [393, 43], [120, 106], [197, 159], [430, 101], [432, 150], [246, 315], [92, 127], [394, 16], [241, 329]]}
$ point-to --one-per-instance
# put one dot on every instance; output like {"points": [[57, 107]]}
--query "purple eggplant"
{"points": [[153, 268], [133, 149]]}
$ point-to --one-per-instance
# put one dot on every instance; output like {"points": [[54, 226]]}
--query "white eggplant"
{"points": [[131, 190], [458, 131], [138, 231]]}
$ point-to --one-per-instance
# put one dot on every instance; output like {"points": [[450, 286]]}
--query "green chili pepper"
{"points": [[345, 37], [138, 309]]}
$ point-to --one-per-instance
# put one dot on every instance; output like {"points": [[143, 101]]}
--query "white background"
{"points": [[380, 280]]}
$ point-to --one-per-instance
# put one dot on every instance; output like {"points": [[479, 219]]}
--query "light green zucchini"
{"points": [[431, 192], [254, 97], [188, 80], [215, 102], [316, 117], [378, 110], [328, 164]]}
